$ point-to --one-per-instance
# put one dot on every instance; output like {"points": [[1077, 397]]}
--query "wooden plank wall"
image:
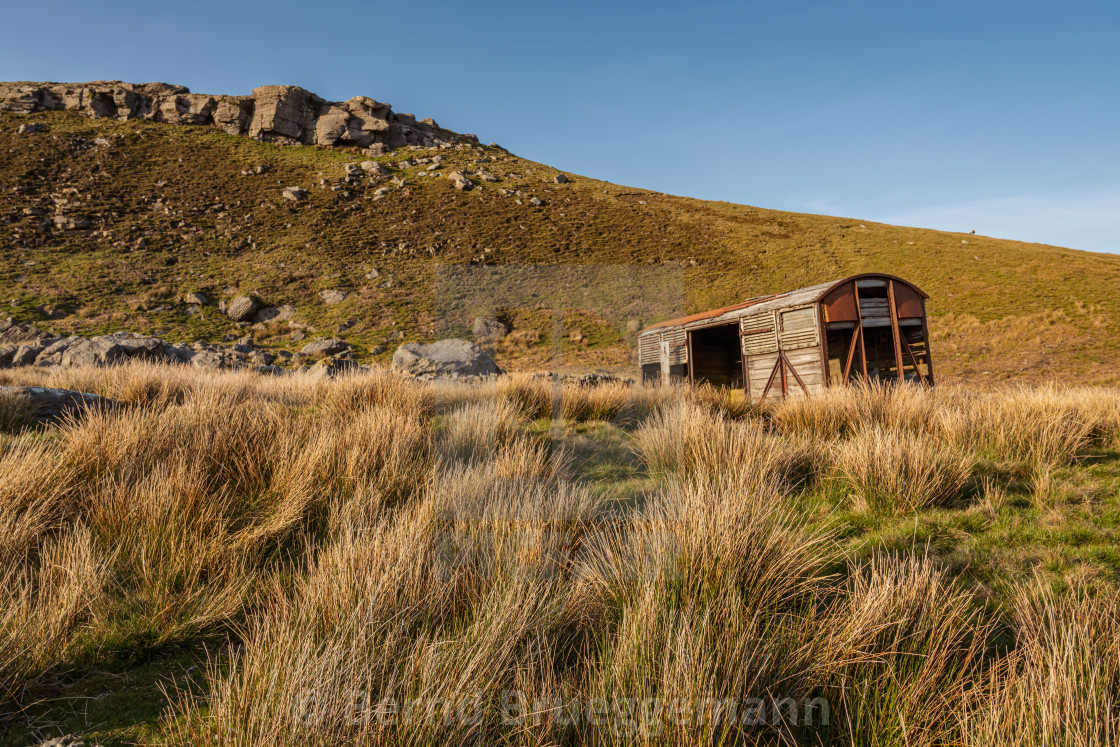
{"points": [[807, 363], [758, 371], [648, 349], [797, 332]]}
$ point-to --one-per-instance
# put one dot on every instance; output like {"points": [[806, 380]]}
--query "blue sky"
{"points": [[996, 116]]}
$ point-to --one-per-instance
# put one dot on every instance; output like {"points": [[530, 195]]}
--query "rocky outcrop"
{"points": [[445, 358], [124, 347], [16, 332], [105, 350], [288, 115]]}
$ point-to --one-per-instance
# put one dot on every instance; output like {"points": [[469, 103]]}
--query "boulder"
{"points": [[262, 357], [275, 314], [195, 299], [25, 355], [331, 297], [445, 358], [331, 367], [65, 222], [325, 347], [560, 179], [373, 168], [460, 181], [489, 329], [29, 128], [97, 351], [44, 405], [243, 308], [219, 359], [51, 355], [294, 194], [145, 348]]}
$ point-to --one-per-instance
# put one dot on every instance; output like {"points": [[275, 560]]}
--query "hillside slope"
{"points": [[105, 224]]}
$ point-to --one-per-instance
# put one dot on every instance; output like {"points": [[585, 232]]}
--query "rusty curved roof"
{"points": [[793, 297]]}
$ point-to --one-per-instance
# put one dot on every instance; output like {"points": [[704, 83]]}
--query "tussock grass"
{"points": [[842, 411], [340, 544], [540, 397], [1032, 428], [915, 645], [1059, 684], [687, 438], [42, 602], [900, 471]]}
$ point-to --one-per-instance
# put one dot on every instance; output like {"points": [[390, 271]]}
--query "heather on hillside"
{"points": [[235, 559]]}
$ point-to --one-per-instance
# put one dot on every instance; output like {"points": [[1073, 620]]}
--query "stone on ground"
{"points": [[488, 329], [329, 346], [332, 296], [460, 181], [295, 194], [243, 308], [445, 358]]}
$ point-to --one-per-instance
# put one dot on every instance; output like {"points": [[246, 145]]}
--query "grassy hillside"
{"points": [[170, 212]]}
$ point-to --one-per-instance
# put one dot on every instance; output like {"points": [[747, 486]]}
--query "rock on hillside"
{"points": [[288, 115], [445, 358]]}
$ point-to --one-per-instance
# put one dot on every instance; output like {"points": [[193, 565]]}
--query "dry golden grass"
{"points": [[372, 540], [1059, 685], [683, 436], [900, 471]]}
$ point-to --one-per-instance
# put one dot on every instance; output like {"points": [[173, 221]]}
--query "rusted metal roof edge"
{"points": [[820, 291], [710, 314]]}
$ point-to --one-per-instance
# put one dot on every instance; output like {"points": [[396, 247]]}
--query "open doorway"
{"points": [[717, 355], [844, 361], [881, 365]]}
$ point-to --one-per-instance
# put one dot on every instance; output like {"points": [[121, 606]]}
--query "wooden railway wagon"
{"points": [[869, 327]]}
